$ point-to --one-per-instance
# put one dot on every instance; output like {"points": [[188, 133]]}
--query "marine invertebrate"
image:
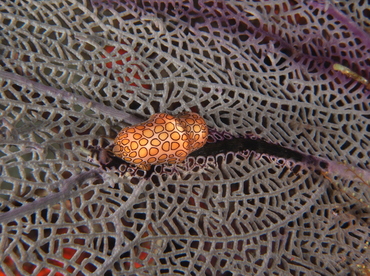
{"points": [[349, 73], [161, 139], [257, 68]]}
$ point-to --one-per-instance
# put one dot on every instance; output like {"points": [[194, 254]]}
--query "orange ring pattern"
{"points": [[162, 139]]}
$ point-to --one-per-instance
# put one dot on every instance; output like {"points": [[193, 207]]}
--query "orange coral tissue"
{"points": [[162, 139]]}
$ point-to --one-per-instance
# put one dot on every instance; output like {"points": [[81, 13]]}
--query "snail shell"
{"points": [[161, 139]]}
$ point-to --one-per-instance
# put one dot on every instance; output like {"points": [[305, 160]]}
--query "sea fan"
{"points": [[282, 187]]}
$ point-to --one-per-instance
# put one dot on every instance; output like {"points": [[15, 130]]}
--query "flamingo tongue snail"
{"points": [[161, 139]]}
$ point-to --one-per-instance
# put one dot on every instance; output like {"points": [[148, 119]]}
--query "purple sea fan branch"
{"points": [[352, 26], [116, 218], [57, 93], [347, 171], [63, 194]]}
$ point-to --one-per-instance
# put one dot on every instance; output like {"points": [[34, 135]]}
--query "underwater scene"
{"points": [[196, 137]]}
